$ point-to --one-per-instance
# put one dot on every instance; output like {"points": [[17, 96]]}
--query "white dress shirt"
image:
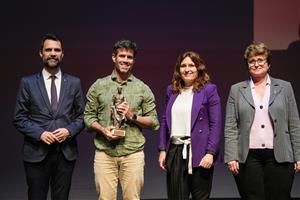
{"points": [[47, 80]]}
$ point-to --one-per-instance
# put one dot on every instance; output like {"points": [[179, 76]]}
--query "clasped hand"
{"points": [[57, 136]]}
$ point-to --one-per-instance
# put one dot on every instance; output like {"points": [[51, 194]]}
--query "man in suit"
{"points": [[49, 113]]}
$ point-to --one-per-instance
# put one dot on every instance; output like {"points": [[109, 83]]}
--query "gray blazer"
{"points": [[284, 116]]}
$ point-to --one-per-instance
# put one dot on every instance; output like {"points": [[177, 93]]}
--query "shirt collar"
{"points": [[114, 78], [252, 83], [46, 74]]}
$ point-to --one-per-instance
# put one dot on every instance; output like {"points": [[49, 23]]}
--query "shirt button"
{"points": [[262, 126], [275, 120], [200, 131], [263, 145], [200, 118], [261, 107]]}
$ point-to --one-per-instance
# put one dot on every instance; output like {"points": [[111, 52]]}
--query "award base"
{"points": [[118, 132]]}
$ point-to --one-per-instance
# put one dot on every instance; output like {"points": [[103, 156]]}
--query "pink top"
{"points": [[261, 133]]}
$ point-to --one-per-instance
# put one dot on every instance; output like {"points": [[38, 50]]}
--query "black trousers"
{"points": [[55, 171], [261, 177], [180, 184]]}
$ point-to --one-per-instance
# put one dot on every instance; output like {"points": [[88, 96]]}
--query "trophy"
{"points": [[118, 118]]}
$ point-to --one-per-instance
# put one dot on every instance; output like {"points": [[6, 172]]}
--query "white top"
{"points": [[261, 133], [181, 113], [47, 80]]}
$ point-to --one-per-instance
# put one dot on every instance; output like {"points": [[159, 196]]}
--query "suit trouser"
{"points": [[261, 177], [180, 184], [129, 170], [54, 170]]}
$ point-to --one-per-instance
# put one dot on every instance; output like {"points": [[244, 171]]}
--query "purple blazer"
{"points": [[206, 134]]}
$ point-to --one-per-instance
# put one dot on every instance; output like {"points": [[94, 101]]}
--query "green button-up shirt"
{"points": [[98, 108]]}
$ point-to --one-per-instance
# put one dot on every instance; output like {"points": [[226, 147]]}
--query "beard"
{"points": [[123, 69], [52, 62]]}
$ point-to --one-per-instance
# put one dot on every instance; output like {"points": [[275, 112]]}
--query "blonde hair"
{"points": [[255, 49]]}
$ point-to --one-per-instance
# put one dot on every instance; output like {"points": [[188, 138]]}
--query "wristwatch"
{"points": [[134, 117]]}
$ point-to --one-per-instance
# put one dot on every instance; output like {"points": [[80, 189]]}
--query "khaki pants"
{"points": [[129, 170]]}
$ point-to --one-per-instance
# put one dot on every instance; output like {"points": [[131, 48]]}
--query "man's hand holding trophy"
{"points": [[118, 109]]}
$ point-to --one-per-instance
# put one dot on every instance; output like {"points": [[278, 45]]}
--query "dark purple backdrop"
{"points": [[218, 29]]}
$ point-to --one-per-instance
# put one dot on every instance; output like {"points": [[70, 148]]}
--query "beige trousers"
{"points": [[129, 170]]}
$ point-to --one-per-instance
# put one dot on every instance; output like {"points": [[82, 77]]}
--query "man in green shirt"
{"points": [[120, 158]]}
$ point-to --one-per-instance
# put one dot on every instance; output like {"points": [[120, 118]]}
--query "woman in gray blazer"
{"points": [[262, 131]]}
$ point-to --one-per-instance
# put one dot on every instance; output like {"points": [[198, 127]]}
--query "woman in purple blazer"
{"points": [[190, 132]]}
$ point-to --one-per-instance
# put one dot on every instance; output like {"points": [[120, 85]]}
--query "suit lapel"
{"points": [[275, 90], [196, 106], [245, 89], [41, 85], [63, 90]]}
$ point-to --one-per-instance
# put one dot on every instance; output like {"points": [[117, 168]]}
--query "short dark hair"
{"points": [[49, 36], [125, 44]]}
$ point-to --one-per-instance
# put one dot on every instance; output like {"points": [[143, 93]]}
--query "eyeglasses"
{"points": [[259, 61]]}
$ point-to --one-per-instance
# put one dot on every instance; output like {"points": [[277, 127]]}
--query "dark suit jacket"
{"points": [[33, 115], [206, 134]]}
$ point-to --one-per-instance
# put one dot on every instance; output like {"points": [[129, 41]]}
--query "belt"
{"points": [[185, 141]]}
